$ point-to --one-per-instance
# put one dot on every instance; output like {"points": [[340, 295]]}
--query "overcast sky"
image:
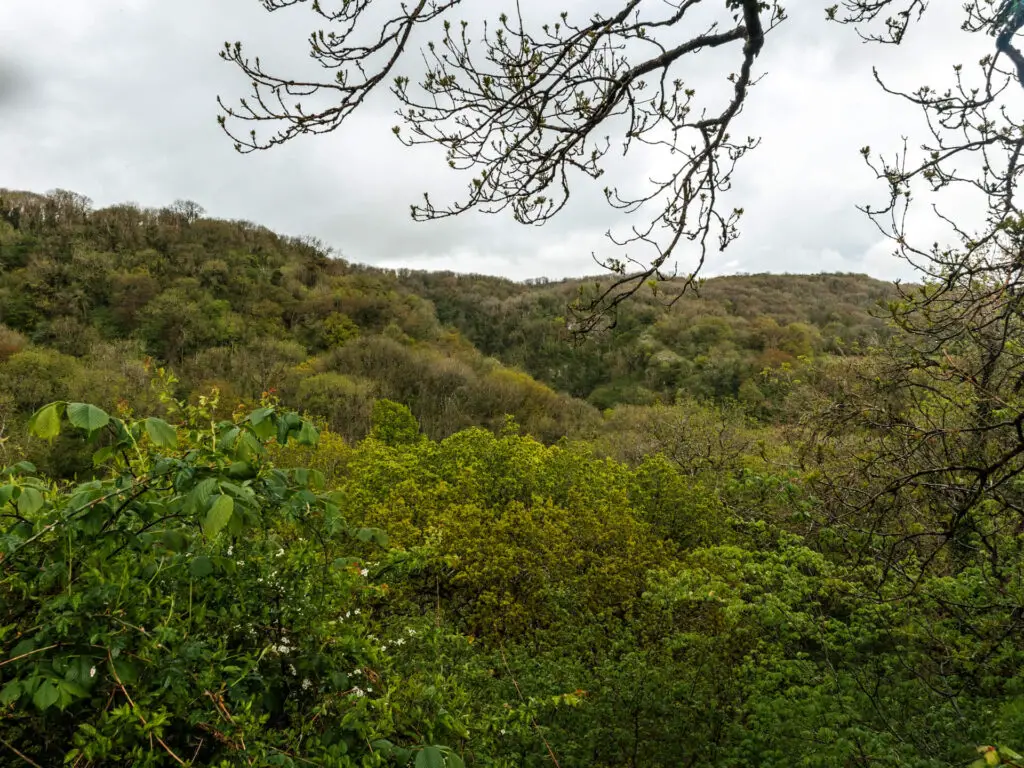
{"points": [[116, 99]]}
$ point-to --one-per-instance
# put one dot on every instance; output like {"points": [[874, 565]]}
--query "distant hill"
{"points": [[88, 296], [92, 300], [709, 344]]}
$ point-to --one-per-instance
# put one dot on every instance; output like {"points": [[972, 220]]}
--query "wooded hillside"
{"points": [[261, 506]]}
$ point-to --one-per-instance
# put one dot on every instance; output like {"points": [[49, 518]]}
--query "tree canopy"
{"points": [[786, 527]]}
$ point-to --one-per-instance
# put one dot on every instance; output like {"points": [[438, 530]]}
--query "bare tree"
{"points": [[529, 108], [927, 449], [188, 211]]}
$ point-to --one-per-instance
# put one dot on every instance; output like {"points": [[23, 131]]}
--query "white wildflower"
{"points": [[357, 691], [364, 572], [231, 550], [306, 684], [291, 670], [355, 612], [92, 672], [280, 552], [400, 641]]}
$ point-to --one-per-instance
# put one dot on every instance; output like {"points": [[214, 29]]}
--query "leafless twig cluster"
{"points": [[529, 107]]}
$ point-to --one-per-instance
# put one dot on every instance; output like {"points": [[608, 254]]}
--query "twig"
{"points": [[26, 758], [532, 718], [22, 656], [128, 696], [218, 701]]}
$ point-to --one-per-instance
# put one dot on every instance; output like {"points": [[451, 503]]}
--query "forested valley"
{"points": [[264, 506]]}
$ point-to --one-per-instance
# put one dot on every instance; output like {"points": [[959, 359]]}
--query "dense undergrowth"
{"points": [[410, 554]]}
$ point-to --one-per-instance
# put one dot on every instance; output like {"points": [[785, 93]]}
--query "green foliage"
{"points": [[997, 756], [525, 598], [712, 344], [421, 570], [345, 402], [393, 424], [235, 307], [339, 328], [189, 604]]}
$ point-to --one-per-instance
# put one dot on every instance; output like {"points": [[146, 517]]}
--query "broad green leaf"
{"points": [[6, 494], [45, 422], [94, 519], [373, 534], [264, 429], [1006, 752], [199, 496], [308, 478], [201, 567], [248, 446], [23, 647], [161, 433], [227, 438], [10, 693], [241, 493], [81, 670], [30, 501], [46, 695], [260, 415], [308, 435], [22, 468], [454, 761], [218, 516], [73, 688], [102, 455], [283, 429], [125, 671], [87, 416], [237, 523], [241, 470], [430, 757]]}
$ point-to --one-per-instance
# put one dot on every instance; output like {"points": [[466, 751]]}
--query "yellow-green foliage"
{"points": [[524, 535]]}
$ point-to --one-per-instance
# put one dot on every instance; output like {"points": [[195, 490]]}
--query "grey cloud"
{"points": [[13, 84], [126, 112]]}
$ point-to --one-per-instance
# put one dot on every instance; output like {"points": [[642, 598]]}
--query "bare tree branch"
{"points": [[523, 106]]}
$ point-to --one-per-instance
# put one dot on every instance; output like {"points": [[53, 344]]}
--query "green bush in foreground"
{"points": [[192, 605]]}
